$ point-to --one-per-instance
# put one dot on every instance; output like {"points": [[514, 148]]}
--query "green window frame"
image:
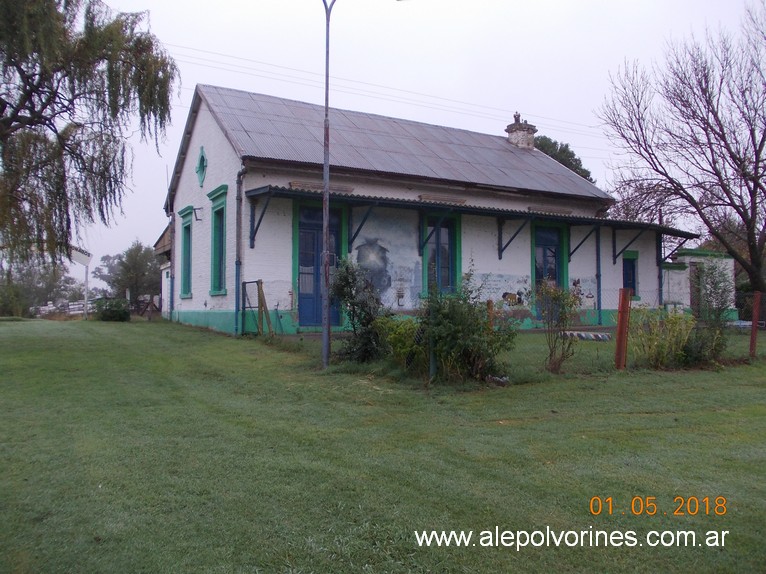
{"points": [[442, 261], [186, 251], [218, 240], [630, 272], [550, 253]]}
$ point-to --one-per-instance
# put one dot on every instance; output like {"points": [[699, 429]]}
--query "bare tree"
{"points": [[694, 133]]}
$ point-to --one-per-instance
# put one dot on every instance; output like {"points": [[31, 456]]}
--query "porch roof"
{"points": [[445, 206]]}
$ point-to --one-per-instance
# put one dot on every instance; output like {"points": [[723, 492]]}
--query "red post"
{"points": [[623, 320], [756, 318]]}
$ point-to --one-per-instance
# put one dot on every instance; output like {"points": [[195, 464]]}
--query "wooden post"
{"points": [[754, 327], [623, 320], [490, 314], [263, 310], [260, 308]]}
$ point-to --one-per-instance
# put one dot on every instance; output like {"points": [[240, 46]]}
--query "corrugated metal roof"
{"points": [[267, 127]]}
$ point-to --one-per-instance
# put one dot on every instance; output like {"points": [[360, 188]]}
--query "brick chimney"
{"points": [[521, 134]]}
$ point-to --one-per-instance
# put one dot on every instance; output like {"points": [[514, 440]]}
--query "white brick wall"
{"points": [[223, 166], [395, 230]]}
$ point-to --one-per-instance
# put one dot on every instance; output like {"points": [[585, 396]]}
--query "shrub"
{"points": [[657, 338], [404, 338], [457, 331], [708, 340], [558, 309], [363, 306], [113, 309]]}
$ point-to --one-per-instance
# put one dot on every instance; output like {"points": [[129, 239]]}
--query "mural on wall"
{"points": [[512, 290], [373, 258], [586, 288]]}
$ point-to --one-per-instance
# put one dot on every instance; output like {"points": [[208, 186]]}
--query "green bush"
{"points": [[704, 345], [113, 310], [361, 301], [456, 329], [558, 309], [404, 337], [708, 341], [658, 339]]}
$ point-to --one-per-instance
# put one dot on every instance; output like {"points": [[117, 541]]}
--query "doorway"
{"points": [[310, 265]]}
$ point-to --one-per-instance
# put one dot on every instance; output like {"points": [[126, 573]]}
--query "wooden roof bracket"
{"points": [[584, 239], [421, 230], [254, 227], [501, 247], [679, 246], [615, 253], [361, 225]]}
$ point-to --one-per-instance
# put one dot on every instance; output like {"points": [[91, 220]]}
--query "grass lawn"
{"points": [[151, 447]]}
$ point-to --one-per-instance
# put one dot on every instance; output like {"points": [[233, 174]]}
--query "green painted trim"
{"points": [[201, 166], [674, 266], [630, 254], [564, 232], [219, 193], [296, 239], [222, 321], [457, 251], [218, 241], [186, 212], [186, 256], [285, 322], [702, 253]]}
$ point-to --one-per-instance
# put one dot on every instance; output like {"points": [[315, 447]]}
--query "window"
{"points": [[218, 241], [186, 247], [218, 256], [629, 268], [441, 253], [548, 255], [201, 167]]}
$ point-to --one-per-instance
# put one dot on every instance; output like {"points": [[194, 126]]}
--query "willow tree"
{"points": [[75, 77], [693, 130]]}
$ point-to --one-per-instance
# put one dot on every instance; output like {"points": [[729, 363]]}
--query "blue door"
{"points": [[310, 265]]}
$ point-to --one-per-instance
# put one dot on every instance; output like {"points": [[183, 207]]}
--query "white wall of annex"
{"points": [[646, 273]]}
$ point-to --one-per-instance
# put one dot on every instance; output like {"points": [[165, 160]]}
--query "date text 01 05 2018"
{"points": [[647, 505]]}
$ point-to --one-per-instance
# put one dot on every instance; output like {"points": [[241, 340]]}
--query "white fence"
{"points": [[68, 308]]}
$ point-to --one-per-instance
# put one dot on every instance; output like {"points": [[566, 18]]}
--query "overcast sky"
{"points": [[449, 62]]}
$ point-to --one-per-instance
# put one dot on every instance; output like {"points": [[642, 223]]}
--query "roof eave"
{"points": [[182, 151], [390, 176], [278, 191]]}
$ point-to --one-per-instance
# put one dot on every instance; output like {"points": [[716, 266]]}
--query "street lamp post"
{"points": [[325, 287], [326, 195]]}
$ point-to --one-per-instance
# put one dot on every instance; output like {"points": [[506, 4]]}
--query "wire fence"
{"points": [[745, 303]]}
